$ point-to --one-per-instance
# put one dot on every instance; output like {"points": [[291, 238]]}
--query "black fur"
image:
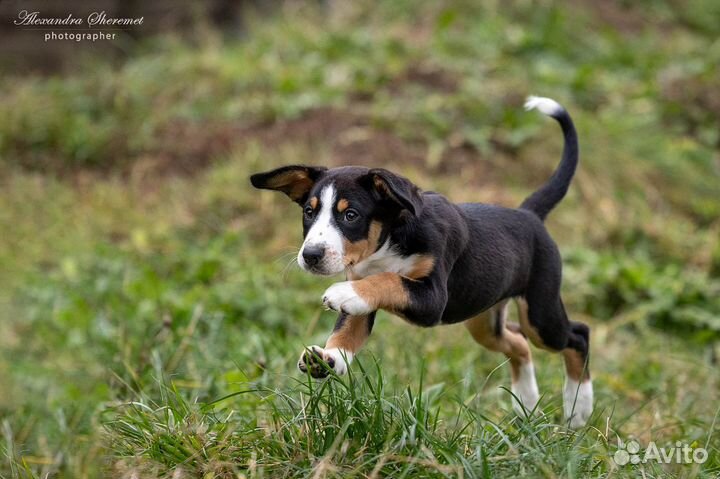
{"points": [[395, 189], [550, 194]]}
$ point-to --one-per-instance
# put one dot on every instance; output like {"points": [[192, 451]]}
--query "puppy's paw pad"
{"points": [[342, 297], [317, 361]]}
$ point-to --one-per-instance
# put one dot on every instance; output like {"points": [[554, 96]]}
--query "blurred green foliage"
{"points": [[677, 301]]}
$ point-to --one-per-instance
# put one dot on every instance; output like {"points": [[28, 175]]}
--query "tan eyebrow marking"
{"points": [[342, 205], [314, 202]]}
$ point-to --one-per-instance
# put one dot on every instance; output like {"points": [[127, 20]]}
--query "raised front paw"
{"points": [[342, 298], [321, 361]]}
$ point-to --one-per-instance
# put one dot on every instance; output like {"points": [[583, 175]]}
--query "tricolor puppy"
{"points": [[430, 261]]}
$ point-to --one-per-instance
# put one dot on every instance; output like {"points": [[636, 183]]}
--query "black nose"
{"points": [[313, 254]]}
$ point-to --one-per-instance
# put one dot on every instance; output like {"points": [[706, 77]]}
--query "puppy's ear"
{"points": [[296, 181], [395, 188]]}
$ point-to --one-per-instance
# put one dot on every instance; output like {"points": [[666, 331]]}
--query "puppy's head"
{"points": [[348, 212]]}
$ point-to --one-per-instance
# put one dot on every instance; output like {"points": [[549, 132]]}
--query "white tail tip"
{"points": [[546, 106]]}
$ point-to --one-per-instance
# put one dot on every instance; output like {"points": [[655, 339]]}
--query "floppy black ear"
{"points": [[396, 188], [296, 181]]}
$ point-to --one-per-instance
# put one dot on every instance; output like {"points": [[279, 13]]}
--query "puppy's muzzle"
{"points": [[312, 255], [320, 259]]}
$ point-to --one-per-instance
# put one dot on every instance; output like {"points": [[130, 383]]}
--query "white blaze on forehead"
{"points": [[324, 232]]}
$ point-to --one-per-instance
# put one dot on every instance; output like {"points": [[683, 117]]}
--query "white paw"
{"points": [[342, 298], [313, 357], [525, 389], [577, 402]]}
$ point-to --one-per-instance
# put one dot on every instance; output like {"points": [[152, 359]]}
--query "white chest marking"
{"points": [[385, 260]]}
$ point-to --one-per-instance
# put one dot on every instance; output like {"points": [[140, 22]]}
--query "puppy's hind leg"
{"points": [[546, 324], [578, 392], [491, 330]]}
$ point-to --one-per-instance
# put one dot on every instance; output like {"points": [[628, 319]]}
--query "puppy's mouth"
{"points": [[320, 271]]}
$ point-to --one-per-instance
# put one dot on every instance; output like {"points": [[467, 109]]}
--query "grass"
{"points": [[151, 314], [349, 427]]}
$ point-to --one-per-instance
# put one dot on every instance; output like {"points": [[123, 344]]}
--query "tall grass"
{"points": [[350, 427]]}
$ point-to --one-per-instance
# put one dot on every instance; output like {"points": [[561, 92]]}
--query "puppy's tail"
{"points": [[550, 194]]}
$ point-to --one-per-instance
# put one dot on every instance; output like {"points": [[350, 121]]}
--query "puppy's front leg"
{"points": [[377, 291], [347, 338], [420, 300]]}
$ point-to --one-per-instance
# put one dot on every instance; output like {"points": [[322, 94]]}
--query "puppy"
{"points": [[419, 256]]}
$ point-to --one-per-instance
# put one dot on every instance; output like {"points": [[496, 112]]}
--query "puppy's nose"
{"points": [[313, 254]]}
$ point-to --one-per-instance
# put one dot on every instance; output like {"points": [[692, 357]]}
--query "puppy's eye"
{"points": [[308, 211], [351, 215]]}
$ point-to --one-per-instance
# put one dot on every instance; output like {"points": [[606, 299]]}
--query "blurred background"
{"points": [[139, 267]]}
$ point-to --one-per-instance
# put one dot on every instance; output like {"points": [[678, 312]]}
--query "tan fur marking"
{"points": [[295, 183], [314, 202], [351, 336], [575, 365], [527, 328], [382, 187], [510, 342], [379, 183], [359, 250], [422, 268], [383, 291], [342, 205]]}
